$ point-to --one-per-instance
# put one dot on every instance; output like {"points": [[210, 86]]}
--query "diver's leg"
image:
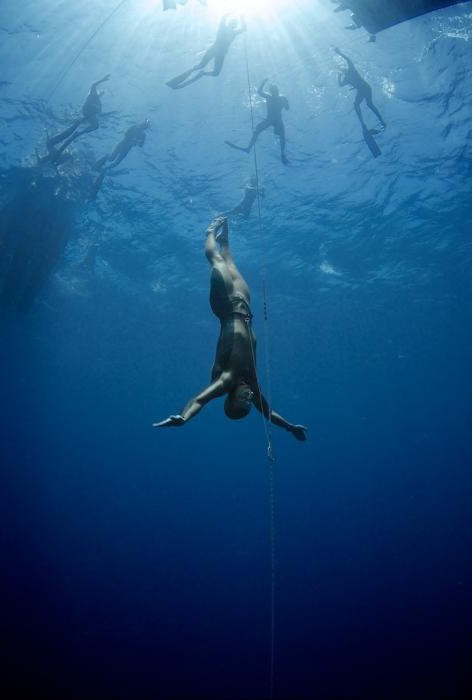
{"points": [[217, 66], [93, 126], [101, 162], [64, 134], [206, 58], [262, 126], [281, 133], [357, 107], [374, 109], [120, 152]]}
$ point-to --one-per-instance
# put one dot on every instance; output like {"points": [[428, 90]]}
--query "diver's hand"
{"points": [[171, 421], [298, 432]]}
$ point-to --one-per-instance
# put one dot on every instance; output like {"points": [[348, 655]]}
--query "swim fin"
{"points": [[371, 143], [175, 82], [238, 148]]}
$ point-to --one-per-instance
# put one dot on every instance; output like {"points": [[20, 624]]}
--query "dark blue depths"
{"points": [[136, 563]]}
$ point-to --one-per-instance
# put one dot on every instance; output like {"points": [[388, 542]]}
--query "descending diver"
{"points": [[227, 31], [134, 136], [234, 369], [90, 111], [350, 76], [251, 191], [275, 104]]}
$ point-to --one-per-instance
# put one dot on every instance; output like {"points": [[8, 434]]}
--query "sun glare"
{"points": [[249, 8]]}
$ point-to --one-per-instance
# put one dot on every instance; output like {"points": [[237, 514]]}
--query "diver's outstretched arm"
{"points": [[242, 28], [98, 82], [343, 55], [260, 90], [298, 431], [213, 391]]}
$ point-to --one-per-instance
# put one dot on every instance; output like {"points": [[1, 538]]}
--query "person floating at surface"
{"points": [[90, 111], [251, 191], [234, 369], [275, 104], [350, 76], [134, 136], [227, 31]]}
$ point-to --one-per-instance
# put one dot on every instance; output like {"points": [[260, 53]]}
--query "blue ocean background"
{"points": [[136, 563]]}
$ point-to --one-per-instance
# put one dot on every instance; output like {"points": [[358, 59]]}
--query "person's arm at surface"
{"points": [[195, 405], [343, 55], [222, 23], [260, 90], [298, 431], [98, 82], [243, 26]]}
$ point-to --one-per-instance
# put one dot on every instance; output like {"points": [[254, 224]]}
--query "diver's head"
{"points": [[274, 90], [238, 402], [146, 124], [232, 24]]}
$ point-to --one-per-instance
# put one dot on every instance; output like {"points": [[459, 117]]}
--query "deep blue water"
{"points": [[136, 563]]}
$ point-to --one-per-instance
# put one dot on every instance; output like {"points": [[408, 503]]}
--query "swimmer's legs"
{"points": [[262, 126], [64, 134], [281, 132], [374, 109], [218, 65], [93, 126], [357, 106]]}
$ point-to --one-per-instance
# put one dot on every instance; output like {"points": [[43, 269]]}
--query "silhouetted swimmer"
{"points": [[251, 191], [228, 30], [350, 76], [134, 136], [234, 370], [90, 112], [275, 104]]}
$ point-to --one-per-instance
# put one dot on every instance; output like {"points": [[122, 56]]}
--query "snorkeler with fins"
{"points": [[134, 136], [228, 30], [350, 76], [90, 112], [275, 104]]}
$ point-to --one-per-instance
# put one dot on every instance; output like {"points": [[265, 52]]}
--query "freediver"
{"points": [[350, 76], [275, 104], [90, 111], [234, 369], [134, 136], [228, 30]]}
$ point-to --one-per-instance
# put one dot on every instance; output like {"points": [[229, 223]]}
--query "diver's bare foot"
{"points": [[221, 229]]}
